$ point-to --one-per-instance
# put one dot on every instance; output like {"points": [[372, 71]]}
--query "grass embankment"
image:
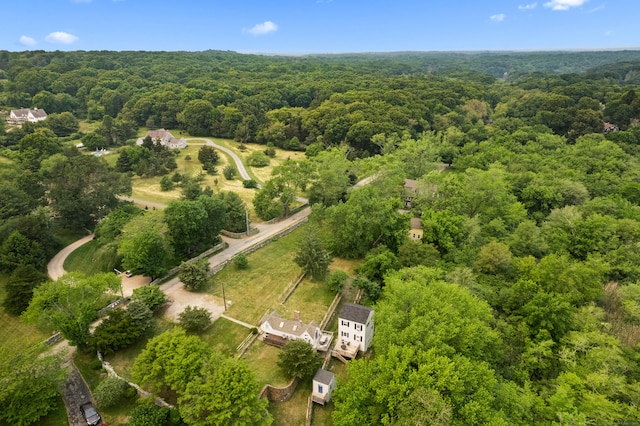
{"points": [[89, 259]]}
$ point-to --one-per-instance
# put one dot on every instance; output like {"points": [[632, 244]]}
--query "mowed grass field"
{"points": [[254, 290]]}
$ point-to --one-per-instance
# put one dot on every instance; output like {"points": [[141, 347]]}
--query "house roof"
{"points": [[410, 184], [157, 134], [22, 112], [293, 327], [416, 223], [323, 376], [38, 113], [357, 313]]}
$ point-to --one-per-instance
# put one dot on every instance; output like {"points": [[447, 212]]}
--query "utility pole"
{"points": [[223, 297], [246, 212]]}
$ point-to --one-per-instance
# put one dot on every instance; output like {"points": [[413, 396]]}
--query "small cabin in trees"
{"points": [[608, 128], [410, 190], [24, 114], [355, 330], [416, 230], [324, 382], [278, 331], [164, 138]]}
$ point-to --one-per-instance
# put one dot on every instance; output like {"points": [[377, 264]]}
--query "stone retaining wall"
{"points": [[238, 235], [279, 394]]}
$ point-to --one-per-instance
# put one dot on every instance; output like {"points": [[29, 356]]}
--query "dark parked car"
{"points": [[90, 414]]}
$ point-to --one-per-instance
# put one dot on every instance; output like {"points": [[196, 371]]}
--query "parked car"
{"points": [[128, 274], [90, 414]]}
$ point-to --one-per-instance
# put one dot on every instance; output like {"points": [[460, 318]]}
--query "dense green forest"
{"points": [[520, 305]]}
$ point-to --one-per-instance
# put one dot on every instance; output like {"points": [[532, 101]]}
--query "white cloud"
{"points": [[498, 18], [528, 6], [27, 41], [564, 4], [261, 29], [61, 38]]}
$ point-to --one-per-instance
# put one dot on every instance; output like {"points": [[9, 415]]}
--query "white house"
{"points": [[24, 114], [355, 329], [324, 382], [165, 138], [279, 330]]}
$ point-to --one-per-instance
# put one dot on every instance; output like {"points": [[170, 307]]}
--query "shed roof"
{"points": [[416, 223], [357, 313], [323, 376]]}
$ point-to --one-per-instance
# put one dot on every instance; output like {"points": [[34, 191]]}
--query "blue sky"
{"points": [[319, 26]]}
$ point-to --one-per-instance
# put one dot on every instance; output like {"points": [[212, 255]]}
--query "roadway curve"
{"points": [[55, 267], [241, 169]]}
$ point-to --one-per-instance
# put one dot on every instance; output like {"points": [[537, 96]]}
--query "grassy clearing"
{"points": [[311, 298], [122, 361], [89, 126], [292, 412], [262, 359], [14, 334], [88, 259], [224, 336], [254, 290]]}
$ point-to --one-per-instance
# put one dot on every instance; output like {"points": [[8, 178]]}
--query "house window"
{"points": [[320, 390], [358, 327], [345, 323], [344, 334], [358, 338]]}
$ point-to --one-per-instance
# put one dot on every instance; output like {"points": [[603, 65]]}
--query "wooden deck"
{"points": [[346, 350], [273, 340]]}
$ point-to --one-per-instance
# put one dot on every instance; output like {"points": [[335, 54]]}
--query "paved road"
{"points": [[75, 393], [55, 267]]}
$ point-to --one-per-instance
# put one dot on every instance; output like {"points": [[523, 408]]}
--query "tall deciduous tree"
{"points": [[197, 117], [145, 253], [171, 359], [70, 304], [299, 359], [364, 220], [20, 288], [225, 394], [83, 189], [29, 385]]}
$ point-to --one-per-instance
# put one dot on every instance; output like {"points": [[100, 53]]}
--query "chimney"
{"points": [[296, 315]]}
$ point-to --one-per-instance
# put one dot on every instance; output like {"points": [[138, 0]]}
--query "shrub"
{"points": [[148, 414], [194, 318], [270, 151], [258, 159], [229, 172], [96, 364], [165, 183], [110, 392], [299, 359], [336, 280], [249, 183], [241, 261], [150, 295], [187, 157]]}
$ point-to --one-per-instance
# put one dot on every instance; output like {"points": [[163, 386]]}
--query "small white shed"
{"points": [[324, 382]]}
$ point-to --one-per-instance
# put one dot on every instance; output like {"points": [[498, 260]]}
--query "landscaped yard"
{"points": [[224, 336], [254, 290], [292, 412], [262, 359]]}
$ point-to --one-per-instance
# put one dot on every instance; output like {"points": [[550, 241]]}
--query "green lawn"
{"points": [[88, 259], [254, 290], [224, 336], [262, 359], [311, 298]]}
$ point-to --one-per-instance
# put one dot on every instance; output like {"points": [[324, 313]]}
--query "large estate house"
{"points": [[19, 116], [164, 138]]}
